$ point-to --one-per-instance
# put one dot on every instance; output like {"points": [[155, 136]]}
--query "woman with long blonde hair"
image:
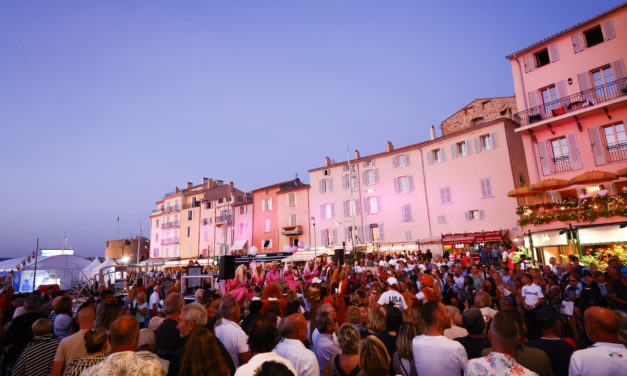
{"points": [[237, 287]]}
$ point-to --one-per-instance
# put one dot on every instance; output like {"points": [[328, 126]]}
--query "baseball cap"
{"points": [[392, 281], [146, 337]]}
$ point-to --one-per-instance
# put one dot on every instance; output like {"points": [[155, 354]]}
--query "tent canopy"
{"points": [[93, 265], [62, 262], [106, 264]]}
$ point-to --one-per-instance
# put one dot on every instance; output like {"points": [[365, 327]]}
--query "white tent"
{"points": [[94, 264], [108, 263], [64, 270]]}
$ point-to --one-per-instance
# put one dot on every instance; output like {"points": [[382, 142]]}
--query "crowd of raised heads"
{"points": [[387, 314]]}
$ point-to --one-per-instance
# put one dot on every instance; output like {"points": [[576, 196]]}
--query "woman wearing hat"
{"points": [[273, 274]]}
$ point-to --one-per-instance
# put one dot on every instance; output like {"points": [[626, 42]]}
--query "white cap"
{"points": [[316, 280], [392, 281], [421, 296]]}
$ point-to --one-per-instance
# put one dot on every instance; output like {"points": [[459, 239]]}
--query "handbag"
{"points": [[567, 307]]}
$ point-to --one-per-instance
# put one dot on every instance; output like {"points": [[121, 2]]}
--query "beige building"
{"points": [[479, 111], [125, 250]]}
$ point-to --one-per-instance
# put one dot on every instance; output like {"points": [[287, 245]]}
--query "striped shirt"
{"points": [[37, 357], [80, 364]]}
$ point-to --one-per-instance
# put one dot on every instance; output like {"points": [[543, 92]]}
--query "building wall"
{"points": [[117, 249], [486, 109], [454, 186], [243, 224], [259, 219], [300, 209], [570, 64], [190, 228]]}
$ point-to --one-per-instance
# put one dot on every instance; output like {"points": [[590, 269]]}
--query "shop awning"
{"points": [[292, 230], [602, 234], [593, 177], [239, 245], [521, 192], [474, 237]]}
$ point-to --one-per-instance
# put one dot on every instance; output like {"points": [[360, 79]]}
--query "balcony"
{"points": [[170, 225], [572, 103], [292, 230], [616, 152], [169, 241], [560, 164], [171, 209]]}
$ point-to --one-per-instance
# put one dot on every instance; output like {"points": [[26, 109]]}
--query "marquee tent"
{"points": [[64, 270]]}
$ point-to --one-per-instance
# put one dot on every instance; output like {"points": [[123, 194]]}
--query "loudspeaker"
{"points": [[227, 267], [339, 256]]}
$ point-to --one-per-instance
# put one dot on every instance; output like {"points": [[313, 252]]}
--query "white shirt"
{"points": [[154, 299], [233, 338], [392, 296], [259, 359], [532, 293], [438, 355], [600, 359], [303, 359]]}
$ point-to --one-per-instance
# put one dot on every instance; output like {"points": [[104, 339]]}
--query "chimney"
{"points": [[357, 156], [219, 182], [231, 184], [327, 161], [389, 146], [190, 184], [205, 183], [432, 132]]}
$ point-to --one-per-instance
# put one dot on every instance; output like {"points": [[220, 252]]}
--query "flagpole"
{"points": [[138, 245], [35, 273]]}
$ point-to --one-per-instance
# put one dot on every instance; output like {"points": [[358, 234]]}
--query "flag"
{"points": [[34, 254]]}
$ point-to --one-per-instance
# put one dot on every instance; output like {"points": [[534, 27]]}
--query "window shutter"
{"points": [[407, 159], [598, 149], [345, 182], [577, 42], [367, 205], [395, 162], [584, 81], [357, 207], [411, 183], [325, 238], [376, 176], [322, 214], [364, 178], [608, 30], [468, 146], [619, 69], [335, 236], [429, 158], [573, 149], [397, 185], [333, 210], [528, 61], [346, 233], [330, 185], [466, 216], [408, 212], [493, 141], [322, 186], [381, 236], [378, 204], [553, 53], [544, 158], [560, 86], [483, 191], [368, 234], [477, 147], [533, 99], [403, 214], [347, 208], [443, 154], [481, 214], [453, 151]]}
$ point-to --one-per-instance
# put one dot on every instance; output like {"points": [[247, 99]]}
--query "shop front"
{"points": [[472, 241]]}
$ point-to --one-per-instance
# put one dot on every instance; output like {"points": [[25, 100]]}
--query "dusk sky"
{"points": [[106, 106]]}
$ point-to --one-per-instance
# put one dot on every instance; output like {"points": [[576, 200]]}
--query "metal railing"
{"points": [[171, 209], [170, 225], [169, 241], [560, 164], [616, 152], [573, 102]]}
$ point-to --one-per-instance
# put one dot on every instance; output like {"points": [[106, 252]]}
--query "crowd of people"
{"points": [[389, 314]]}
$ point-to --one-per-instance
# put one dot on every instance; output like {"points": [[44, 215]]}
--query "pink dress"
{"points": [[289, 280], [238, 289], [308, 276], [273, 276]]}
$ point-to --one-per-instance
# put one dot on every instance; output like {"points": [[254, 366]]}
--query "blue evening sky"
{"points": [[105, 106]]}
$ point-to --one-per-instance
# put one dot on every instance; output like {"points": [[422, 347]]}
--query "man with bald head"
{"points": [[73, 347], [123, 336], [606, 356], [292, 348]]}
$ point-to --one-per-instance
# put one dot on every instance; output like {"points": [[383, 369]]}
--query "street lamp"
{"points": [[313, 223]]}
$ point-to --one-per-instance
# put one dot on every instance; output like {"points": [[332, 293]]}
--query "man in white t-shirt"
{"points": [[607, 356], [435, 354], [532, 299], [231, 334], [392, 295]]}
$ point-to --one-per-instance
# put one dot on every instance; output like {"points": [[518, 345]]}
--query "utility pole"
{"points": [[139, 236], [313, 220]]}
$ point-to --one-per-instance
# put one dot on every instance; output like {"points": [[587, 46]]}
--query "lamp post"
{"points": [[313, 223]]}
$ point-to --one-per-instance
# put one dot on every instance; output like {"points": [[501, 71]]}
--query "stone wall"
{"points": [[486, 109]]}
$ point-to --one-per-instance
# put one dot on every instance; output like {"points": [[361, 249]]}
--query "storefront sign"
{"points": [[472, 237]]}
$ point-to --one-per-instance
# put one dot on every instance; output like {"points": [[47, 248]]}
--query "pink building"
{"points": [[280, 216], [572, 92], [242, 226]]}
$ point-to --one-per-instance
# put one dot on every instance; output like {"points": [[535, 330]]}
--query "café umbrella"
{"points": [[593, 177], [549, 185], [622, 172]]}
